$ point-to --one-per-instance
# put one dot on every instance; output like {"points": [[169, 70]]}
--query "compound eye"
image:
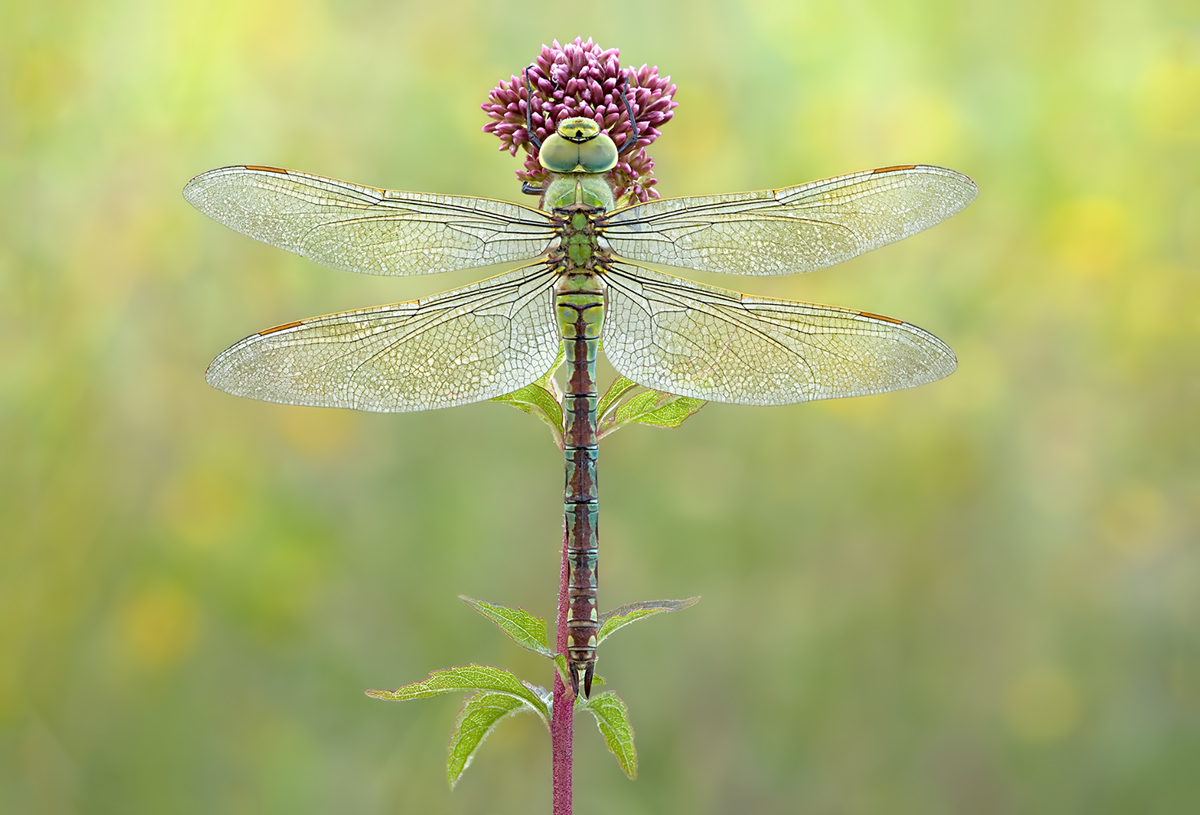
{"points": [[599, 155], [558, 155]]}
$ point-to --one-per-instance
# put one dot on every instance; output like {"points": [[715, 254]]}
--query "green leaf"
{"points": [[673, 413], [657, 408], [522, 627], [622, 616], [640, 405], [650, 407], [537, 401], [466, 677], [612, 717], [542, 398], [480, 714], [616, 390]]}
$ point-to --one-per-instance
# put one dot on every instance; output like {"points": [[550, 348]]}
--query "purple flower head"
{"points": [[582, 79]]}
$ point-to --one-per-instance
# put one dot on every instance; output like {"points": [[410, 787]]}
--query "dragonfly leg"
{"points": [[632, 139], [534, 140]]}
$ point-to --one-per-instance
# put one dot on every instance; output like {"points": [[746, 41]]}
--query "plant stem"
{"points": [[562, 713]]}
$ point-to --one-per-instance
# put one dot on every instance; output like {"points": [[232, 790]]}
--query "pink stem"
{"points": [[561, 716]]}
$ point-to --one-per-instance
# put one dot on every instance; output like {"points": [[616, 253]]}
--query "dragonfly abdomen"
{"points": [[579, 307]]}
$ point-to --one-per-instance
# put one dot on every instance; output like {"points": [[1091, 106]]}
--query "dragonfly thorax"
{"points": [[578, 188], [580, 245]]}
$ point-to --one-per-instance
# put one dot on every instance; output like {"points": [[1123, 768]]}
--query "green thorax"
{"points": [[579, 201], [566, 189], [580, 258]]}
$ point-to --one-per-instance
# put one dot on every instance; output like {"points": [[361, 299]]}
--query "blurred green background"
{"points": [[979, 596]]}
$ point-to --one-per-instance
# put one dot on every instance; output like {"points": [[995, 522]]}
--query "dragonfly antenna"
{"points": [[632, 140], [529, 113]]}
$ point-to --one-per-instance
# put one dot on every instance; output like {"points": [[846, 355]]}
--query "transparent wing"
{"points": [[693, 340], [365, 229], [466, 345], [794, 229]]}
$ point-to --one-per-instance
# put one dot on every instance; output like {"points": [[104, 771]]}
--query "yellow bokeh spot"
{"points": [[924, 124], [1169, 99], [1043, 705], [159, 625], [1090, 236]]}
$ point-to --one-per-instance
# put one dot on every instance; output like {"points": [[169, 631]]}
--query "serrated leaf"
{"points": [[650, 407], [480, 714], [622, 616], [612, 717], [533, 398], [640, 405], [522, 627], [542, 398], [466, 677], [673, 413], [616, 390], [537, 401]]}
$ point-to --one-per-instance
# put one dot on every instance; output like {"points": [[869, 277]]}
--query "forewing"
{"points": [[366, 229], [693, 340], [794, 229], [466, 345]]}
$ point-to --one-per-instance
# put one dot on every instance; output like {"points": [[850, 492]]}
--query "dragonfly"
{"points": [[582, 289]]}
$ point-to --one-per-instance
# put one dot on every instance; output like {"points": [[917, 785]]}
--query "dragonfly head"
{"points": [[578, 145]]}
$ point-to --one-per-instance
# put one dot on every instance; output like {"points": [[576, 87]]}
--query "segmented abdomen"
{"points": [[579, 304]]}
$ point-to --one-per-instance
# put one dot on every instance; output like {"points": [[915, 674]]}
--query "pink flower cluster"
{"points": [[582, 79]]}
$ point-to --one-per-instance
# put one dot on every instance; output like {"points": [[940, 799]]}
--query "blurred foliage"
{"points": [[979, 596]]}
